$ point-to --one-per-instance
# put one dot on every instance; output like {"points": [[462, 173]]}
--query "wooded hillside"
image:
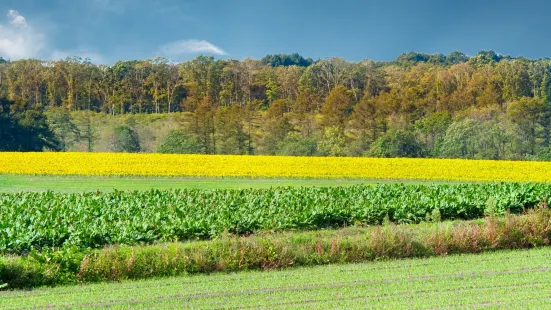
{"points": [[419, 105]]}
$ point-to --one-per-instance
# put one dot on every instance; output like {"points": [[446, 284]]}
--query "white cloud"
{"points": [[190, 47], [16, 19], [18, 39]]}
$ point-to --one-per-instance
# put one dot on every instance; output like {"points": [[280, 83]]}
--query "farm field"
{"points": [[120, 164], [505, 279], [35, 220], [148, 215], [76, 183]]}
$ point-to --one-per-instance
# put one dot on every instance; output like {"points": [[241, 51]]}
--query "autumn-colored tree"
{"points": [[203, 126], [229, 131], [337, 107]]}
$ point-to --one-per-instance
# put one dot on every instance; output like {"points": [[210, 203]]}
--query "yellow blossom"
{"points": [[107, 164]]}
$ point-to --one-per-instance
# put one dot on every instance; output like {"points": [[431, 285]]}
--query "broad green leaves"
{"points": [[38, 220]]}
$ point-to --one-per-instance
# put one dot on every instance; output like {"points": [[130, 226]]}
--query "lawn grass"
{"points": [[504, 279], [37, 183]]}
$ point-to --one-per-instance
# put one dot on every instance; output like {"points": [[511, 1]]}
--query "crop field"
{"points": [[48, 219], [10, 183], [71, 218], [108, 164], [509, 279]]}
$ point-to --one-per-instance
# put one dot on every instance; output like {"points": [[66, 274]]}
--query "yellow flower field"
{"points": [[107, 164]]}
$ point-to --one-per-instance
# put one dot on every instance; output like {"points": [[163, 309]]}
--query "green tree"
{"points": [[333, 142], [276, 127], [286, 60], [125, 139], [461, 139], [203, 126], [64, 127], [24, 128], [529, 114], [396, 143], [432, 130], [178, 141], [229, 131], [86, 130], [296, 145]]}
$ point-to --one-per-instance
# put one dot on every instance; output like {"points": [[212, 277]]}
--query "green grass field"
{"points": [[508, 279], [16, 183]]}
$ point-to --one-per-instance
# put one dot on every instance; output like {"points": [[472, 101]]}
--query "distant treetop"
{"points": [[413, 58], [286, 60]]}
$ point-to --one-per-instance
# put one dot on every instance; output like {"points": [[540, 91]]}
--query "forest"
{"points": [[486, 106]]}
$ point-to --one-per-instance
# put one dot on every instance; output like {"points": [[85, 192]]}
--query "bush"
{"points": [[178, 142], [396, 144], [295, 145], [126, 140]]}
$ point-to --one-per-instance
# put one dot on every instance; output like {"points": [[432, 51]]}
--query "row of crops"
{"points": [[36, 220], [109, 164]]}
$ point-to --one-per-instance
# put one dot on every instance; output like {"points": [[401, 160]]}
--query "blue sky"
{"points": [[111, 30]]}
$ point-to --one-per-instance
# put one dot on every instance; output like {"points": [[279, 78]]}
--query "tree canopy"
{"points": [[286, 60], [24, 128], [482, 106]]}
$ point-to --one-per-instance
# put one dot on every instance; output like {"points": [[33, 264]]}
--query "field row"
{"points": [[108, 164], [80, 183], [93, 219], [511, 279], [274, 250]]}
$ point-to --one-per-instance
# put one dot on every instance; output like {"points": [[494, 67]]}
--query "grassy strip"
{"points": [[274, 251], [74, 184], [500, 279], [41, 220]]}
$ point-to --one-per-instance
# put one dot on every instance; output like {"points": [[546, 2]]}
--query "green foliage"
{"points": [[461, 139], [63, 126], [178, 141], [276, 127], [396, 144], [471, 138], [456, 57], [483, 58], [279, 250], [529, 114], [48, 219], [413, 58], [286, 60], [222, 102], [203, 127], [432, 130], [333, 142], [296, 145], [25, 128], [125, 139]]}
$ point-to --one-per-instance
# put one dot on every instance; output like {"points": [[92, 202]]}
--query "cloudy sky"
{"points": [[111, 30]]}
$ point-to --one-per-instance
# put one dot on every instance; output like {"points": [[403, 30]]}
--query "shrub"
{"points": [[125, 139], [179, 142], [396, 144]]}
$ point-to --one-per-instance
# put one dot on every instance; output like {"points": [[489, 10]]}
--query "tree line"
{"points": [[419, 105]]}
